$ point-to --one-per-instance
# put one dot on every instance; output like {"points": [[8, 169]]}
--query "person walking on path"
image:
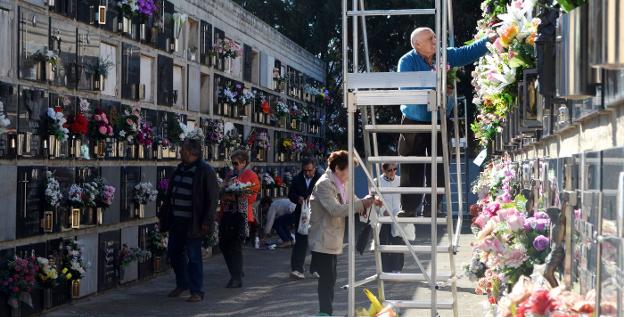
{"points": [[236, 214], [389, 235], [280, 218], [421, 58], [330, 206], [300, 190], [188, 214]]}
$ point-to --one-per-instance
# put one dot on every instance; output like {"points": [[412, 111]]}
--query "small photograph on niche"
{"points": [[35, 60], [90, 69], [30, 185], [63, 47], [57, 213], [32, 110], [8, 120]]}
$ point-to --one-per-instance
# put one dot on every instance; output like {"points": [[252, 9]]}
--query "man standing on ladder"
{"points": [[421, 58]]}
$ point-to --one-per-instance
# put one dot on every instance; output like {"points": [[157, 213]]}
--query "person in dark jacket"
{"points": [[188, 214], [300, 190]]}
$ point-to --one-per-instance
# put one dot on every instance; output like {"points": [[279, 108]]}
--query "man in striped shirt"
{"points": [[188, 214]]}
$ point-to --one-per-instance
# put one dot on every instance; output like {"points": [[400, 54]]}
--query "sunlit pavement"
{"points": [[267, 290]]}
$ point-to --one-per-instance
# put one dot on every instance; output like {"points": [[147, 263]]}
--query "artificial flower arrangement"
{"points": [[232, 139], [191, 134], [259, 138], [127, 125], [53, 194], [74, 266], [267, 180], [299, 144], [496, 74], [128, 255], [237, 94], [281, 109], [265, 106], [239, 188], [56, 123], [174, 129], [162, 187], [226, 48], [4, 120], [214, 131], [144, 192], [79, 124], [100, 128], [17, 279], [48, 273], [145, 134], [143, 8], [157, 241], [104, 193], [278, 181], [295, 112], [76, 196]]}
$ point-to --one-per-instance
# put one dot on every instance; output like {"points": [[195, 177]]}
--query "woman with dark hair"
{"points": [[236, 214], [330, 206]]}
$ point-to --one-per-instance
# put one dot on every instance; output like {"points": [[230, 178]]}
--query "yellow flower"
{"points": [[508, 34], [64, 270], [68, 276], [531, 39]]}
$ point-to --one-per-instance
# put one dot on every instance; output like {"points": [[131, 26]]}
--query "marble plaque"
{"points": [[205, 42], [30, 201], [165, 36], [131, 71], [66, 176], [165, 81], [111, 176], [88, 283], [32, 108], [87, 11], [8, 100], [33, 35], [63, 43], [146, 269], [8, 212], [6, 36], [65, 7], [145, 90], [194, 84], [130, 176], [108, 265], [130, 237], [88, 57]]}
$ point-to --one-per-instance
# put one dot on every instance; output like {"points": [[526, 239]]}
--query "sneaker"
{"points": [[315, 275], [297, 275]]}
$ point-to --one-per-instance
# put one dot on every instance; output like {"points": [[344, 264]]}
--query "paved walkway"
{"points": [[267, 291]]}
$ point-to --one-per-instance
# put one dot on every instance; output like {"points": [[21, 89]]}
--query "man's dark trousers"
{"points": [[185, 256]]}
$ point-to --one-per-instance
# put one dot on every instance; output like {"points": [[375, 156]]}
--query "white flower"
{"points": [[84, 105], [51, 113]]}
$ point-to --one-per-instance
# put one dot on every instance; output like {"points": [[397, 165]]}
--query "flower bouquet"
{"points": [[4, 121], [90, 192], [127, 125], [52, 192], [48, 273], [105, 193], [76, 196], [74, 266], [145, 134], [214, 131], [174, 129], [56, 124], [238, 188], [226, 48], [157, 241], [144, 192], [99, 127], [17, 280], [281, 109]]}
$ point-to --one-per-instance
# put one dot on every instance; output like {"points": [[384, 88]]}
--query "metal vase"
{"points": [[47, 298], [143, 32], [126, 25], [75, 289], [157, 264], [50, 72]]}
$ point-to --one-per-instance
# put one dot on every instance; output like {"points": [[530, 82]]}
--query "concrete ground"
{"points": [[268, 291]]}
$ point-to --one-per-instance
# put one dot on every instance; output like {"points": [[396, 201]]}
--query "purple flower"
{"points": [[542, 224], [540, 243], [541, 215], [163, 184], [529, 223]]}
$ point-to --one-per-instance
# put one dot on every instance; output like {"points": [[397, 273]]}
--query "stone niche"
{"points": [[8, 100], [109, 245], [33, 34], [165, 81], [130, 237], [111, 176], [37, 249], [6, 36], [130, 177], [30, 201], [60, 293], [87, 11], [66, 176], [63, 43], [90, 249], [88, 60], [146, 268], [32, 108], [8, 212], [131, 71]]}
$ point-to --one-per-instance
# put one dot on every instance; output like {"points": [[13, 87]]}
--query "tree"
{"points": [[317, 27]]}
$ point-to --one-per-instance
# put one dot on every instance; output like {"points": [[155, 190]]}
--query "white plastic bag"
{"points": [[304, 220]]}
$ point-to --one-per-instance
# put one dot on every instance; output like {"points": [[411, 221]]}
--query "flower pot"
{"points": [[50, 71], [213, 60], [47, 298], [75, 289], [54, 147], [99, 149], [75, 218], [97, 82], [214, 152], [225, 110], [47, 223], [139, 211], [235, 111], [126, 25], [75, 148], [157, 264], [143, 32]]}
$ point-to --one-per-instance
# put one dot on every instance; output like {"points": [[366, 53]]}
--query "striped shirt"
{"points": [[182, 191]]}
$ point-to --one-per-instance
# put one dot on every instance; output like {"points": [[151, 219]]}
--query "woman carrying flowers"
{"points": [[241, 188]]}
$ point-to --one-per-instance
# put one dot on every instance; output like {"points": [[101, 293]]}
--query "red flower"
{"points": [[58, 109], [539, 302], [79, 125], [15, 289], [266, 108]]}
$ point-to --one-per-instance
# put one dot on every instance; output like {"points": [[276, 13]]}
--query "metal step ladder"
{"points": [[364, 91]]}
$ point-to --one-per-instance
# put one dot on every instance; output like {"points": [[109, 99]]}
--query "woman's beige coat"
{"points": [[327, 222]]}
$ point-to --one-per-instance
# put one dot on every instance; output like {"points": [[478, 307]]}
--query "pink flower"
{"points": [[491, 244], [102, 129], [481, 220], [499, 46], [517, 4], [516, 222], [129, 121], [105, 120], [515, 258], [97, 117]]}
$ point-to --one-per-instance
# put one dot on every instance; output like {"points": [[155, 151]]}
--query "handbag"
{"points": [[364, 238], [304, 219]]}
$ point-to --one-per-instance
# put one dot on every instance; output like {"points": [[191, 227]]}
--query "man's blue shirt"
{"points": [[455, 56]]}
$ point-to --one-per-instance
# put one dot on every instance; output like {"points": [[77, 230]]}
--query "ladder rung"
{"points": [[399, 128], [391, 12], [414, 220], [403, 159], [410, 190], [411, 277], [391, 80], [420, 304], [394, 97], [405, 249]]}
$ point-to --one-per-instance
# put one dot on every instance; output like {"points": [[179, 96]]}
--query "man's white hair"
{"points": [[416, 32]]}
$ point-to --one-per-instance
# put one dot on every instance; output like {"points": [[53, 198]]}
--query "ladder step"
{"points": [[411, 277], [420, 304], [417, 249], [414, 220], [399, 128], [391, 80], [394, 97], [403, 159], [391, 12], [410, 190]]}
